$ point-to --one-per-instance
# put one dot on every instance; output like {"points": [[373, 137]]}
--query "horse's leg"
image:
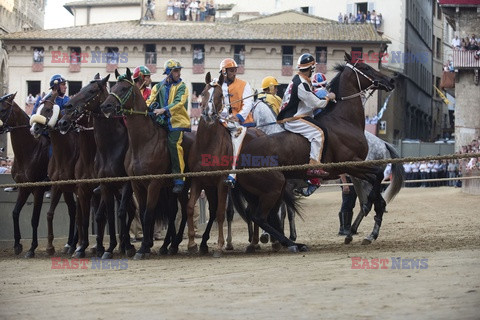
{"points": [[72, 231], [212, 198], [84, 195], [195, 191], [22, 197], [379, 207], [150, 201], [183, 199], [222, 192], [171, 203], [230, 213], [354, 227], [126, 207], [291, 222], [108, 198], [37, 207], [54, 199], [254, 238], [101, 218]]}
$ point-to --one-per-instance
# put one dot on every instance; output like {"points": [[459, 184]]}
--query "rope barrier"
{"points": [[302, 167], [406, 181]]}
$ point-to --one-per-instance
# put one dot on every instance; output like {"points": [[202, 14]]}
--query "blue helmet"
{"points": [[56, 79]]}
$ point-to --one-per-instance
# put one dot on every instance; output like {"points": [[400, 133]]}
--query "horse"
{"points": [[343, 122], [111, 140], [377, 150], [147, 154], [212, 143], [61, 166], [30, 165]]}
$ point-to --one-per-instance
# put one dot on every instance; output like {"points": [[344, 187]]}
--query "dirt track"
{"points": [[438, 224]]}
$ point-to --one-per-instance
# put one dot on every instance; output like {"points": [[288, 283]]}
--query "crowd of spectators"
{"points": [[362, 17], [191, 10], [426, 170], [466, 43], [473, 163]]}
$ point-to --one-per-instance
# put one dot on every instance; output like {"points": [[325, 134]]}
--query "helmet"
{"points": [[227, 63], [56, 79], [170, 65], [140, 72], [269, 82], [306, 61], [319, 80]]}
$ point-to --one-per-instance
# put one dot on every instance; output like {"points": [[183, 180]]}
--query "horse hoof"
{"points": [[65, 249], [203, 250], [50, 251], [30, 254], [71, 250], [264, 238], [18, 249], [276, 246], [229, 247], [130, 252], [193, 249], [172, 251], [293, 249], [163, 251], [79, 255], [107, 255], [250, 249], [302, 248], [217, 254], [141, 256], [366, 241], [348, 239]]}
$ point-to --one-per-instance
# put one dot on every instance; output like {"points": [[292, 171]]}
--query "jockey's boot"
{"points": [[178, 187], [316, 172], [230, 182], [347, 221], [309, 190], [341, 217]]}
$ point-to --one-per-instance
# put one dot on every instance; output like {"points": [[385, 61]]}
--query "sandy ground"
{"points": [[437, 224]]}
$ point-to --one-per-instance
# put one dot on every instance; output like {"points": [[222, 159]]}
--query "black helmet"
{"points": [[306, 61]]}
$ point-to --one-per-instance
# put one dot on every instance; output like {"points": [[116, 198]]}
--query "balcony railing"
{"points": [[466, 59]]}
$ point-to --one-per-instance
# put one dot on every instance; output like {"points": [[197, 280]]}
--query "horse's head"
{"points": [[46, 116], [6, 108], [122, 95], [212, 98], [368, 78], [87, 100]]}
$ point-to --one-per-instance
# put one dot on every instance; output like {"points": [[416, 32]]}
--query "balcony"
{"points": [[37, 67], [466, 59]]}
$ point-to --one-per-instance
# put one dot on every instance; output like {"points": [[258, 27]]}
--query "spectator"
{"points": [[211, 11], [340, 18], [203, 10], [4, 167], [170, 10], [456, 43]]}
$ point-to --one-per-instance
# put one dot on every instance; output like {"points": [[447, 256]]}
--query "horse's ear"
{"points": [[105, 80], [129, 73], [117, 74], [348, 58], [97, 77], [208, 77], [12, 97], [220, 79]]}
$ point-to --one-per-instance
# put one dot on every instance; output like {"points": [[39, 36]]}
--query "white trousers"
{"points": [[312, 133], [233, 127]]}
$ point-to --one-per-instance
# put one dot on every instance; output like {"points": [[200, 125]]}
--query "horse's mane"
{"points": [[334, 86]]}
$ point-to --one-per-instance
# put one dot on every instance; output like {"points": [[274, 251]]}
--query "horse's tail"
{"points": [[398, 175]]}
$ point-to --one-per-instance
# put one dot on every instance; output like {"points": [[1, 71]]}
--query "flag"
{"points": [[440, 93]]}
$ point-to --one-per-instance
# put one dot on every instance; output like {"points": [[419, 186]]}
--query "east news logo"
{"points": [[385, 263]]}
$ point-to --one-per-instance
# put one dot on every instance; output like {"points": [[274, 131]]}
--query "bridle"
{"points": [[374, 84], [124, 99], [210, 103]]}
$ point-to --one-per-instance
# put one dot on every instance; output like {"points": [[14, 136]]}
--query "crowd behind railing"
{"points": [[362, 17], [185, 10], [466, 43]]}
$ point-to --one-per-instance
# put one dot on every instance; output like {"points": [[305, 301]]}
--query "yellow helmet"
{"points": [[227, 63], [269, 82], [170, 65]]}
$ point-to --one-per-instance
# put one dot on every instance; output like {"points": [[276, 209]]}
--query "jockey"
{"points": [[269, 94], [238, 101], [298, 105], [169, 101], [59, 84], [141, 77]]}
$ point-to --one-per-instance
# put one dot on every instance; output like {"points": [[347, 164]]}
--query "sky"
{"points": [[56, 16]]}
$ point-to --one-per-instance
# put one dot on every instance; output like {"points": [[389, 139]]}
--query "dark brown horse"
{"points": [[65, 154], [344, 123], [213, 141], [147, 154], [30, 165], [111, 140]]}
